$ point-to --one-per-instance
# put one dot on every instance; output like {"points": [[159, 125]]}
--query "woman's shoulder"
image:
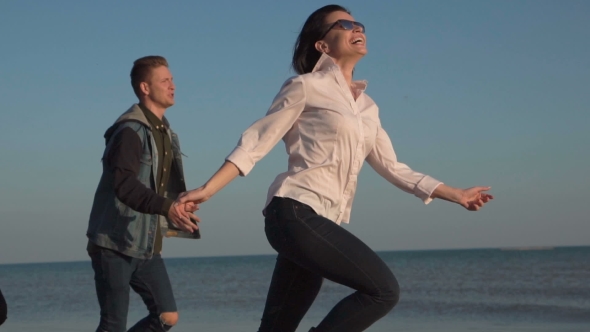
{"points": [[316, 75], [308, 82], [293, 82], [308, 79], [313, 80]]}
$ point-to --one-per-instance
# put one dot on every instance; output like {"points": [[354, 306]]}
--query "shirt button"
{"points": [[164, 169], [161, 184], [166, 153]]}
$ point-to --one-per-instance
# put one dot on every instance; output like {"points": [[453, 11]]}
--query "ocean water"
{"points": [[451, 290]]}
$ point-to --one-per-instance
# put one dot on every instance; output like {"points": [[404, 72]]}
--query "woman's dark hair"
{"points": [[305, 55]]}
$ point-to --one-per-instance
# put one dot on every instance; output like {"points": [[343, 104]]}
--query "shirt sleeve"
{"points": [[123, 160], [265, 133], [383, 160]]}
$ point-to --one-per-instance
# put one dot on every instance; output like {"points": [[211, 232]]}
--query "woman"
{"points": [[329, 126]]}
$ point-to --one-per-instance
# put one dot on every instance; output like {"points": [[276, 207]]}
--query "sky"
{"points": [[493, 93]]}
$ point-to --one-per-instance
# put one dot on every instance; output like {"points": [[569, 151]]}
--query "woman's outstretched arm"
{"points": [[471, 198], [226, 173]]}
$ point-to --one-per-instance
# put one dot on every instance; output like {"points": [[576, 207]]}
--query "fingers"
{"points": [[183, 208], [186, 225], [476, 198], [183, 197], [180, 217], [486, 197], [189, 196], [483, 198], [481, 188], [190, 227], [473, 207], [476, 190], [177, 208], [477, 204], [195, 218], [180, 211], [191, 207], [187, 221]]}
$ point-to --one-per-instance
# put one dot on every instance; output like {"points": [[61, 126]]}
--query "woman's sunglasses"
{"points": [[344, 25]]}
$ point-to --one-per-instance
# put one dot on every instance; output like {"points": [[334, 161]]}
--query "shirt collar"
{"points": [[153, 119], [325, 62]]}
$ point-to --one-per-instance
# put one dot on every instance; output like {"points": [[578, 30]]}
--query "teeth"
{"points": [[358, 40]]}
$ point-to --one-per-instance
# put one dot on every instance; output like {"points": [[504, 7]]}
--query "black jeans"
{"points": [[115, 274], [311, 248], [3, 309]]}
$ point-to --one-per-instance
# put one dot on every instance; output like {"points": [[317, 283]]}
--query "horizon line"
{"points": [[506, 248]]}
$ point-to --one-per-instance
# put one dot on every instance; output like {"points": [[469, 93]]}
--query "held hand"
{"points": [[191, 207], [182, 216], [474, 198], [195, 196], [181, 211]]}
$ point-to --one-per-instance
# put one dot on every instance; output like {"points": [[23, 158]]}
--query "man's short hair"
{"points": [[142, 68]]}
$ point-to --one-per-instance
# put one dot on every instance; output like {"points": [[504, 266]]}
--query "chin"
{"points": [[360, 55]]}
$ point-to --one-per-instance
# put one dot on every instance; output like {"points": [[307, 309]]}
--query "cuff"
{"points": [[242, 160], [425, 188], [166, 207]]}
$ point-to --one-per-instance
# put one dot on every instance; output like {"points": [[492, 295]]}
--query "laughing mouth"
{"points": [[358, 41]]}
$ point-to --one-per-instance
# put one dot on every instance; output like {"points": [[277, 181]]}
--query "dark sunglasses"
{"points": [[345, 25]]}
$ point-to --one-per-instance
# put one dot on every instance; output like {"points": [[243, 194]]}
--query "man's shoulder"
{"points": [[133, 114], [124, 130], [131, 124]]}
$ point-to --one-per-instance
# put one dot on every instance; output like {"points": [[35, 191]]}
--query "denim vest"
{"points": [[116, 226]]}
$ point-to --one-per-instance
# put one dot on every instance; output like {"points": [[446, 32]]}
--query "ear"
{"points": [[322, 46], [145, 88]]}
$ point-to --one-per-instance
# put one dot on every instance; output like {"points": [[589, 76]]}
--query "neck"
{"points": [[153, 107], [346, 67]]}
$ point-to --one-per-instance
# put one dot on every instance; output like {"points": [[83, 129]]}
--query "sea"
{"points": [[517, 289]]}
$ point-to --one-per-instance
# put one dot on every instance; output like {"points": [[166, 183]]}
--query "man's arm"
{"points": [[123, 160]]}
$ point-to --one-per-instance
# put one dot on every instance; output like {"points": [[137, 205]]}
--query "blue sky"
{"points": [[471, 92]]}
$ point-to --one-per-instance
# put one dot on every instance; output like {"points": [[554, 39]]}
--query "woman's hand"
{"points": [[471, 198], [195, 196], [191, 207], [474, 198]]}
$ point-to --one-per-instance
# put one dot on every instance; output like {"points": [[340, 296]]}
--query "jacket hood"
{"points": [[134, 113]]}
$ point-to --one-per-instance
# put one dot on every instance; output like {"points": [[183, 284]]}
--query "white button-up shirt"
{"points": [[328, 134]]}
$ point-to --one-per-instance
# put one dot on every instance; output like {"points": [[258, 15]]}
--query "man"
{"points": [[132, 209]]}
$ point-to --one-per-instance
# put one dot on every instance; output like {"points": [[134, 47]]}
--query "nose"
{"points": [[358, 27]]}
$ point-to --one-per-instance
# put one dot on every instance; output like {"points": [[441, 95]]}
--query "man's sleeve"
{"points": [[123, 160]]}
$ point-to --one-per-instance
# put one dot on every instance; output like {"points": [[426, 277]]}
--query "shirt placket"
{"points": [[357, 158]]}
